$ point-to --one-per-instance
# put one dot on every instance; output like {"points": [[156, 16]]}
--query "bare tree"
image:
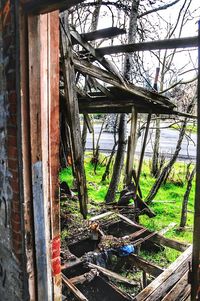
{"points": [[186, 199]]}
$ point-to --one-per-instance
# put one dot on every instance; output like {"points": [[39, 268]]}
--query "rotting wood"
{"points": [[144, 265], [94, 71], [103, 215], [157, 238], [151, 45], [158, 288], [104, 33], [89, 276], [173, 244], [104, 62], [111, 274], [73, 288], [178, 290], [73, 120]]}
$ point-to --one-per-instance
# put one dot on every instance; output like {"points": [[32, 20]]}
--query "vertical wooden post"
{"points": [[54, 134], [195, 276], [26, 156], [43, 36], [132, 141], [73, 119]]}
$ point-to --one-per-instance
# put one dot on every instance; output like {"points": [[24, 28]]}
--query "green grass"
{"points": [[190, 128], [166, 213]]}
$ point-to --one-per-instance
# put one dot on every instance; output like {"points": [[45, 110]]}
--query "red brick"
{"points": [[16, 226], [17, 247], [12, 108], [16, 236], [12, 152], [11, 141], [12, 165], [16, 207], [14, 184], [16, 216], [12, 130], [12, 97], [12, 120]]}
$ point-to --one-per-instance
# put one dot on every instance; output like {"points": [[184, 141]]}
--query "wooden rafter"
{"points": [[45, 6], [151, 45]]}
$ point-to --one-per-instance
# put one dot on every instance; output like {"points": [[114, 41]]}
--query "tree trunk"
{"points": [[166, 170], [122, 140], [154, 170], [119, 161], [186, 198]]}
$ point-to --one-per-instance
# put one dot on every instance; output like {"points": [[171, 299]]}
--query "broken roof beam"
{"points": [[88, 47], [46, 6], [98, 73], [109, 32], [188, 42]]}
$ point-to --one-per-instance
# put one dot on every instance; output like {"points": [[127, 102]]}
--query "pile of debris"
{"points": [[103, 263]]}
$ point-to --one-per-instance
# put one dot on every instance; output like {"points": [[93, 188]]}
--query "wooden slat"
{"points": [[163, 283], [26, 157], [73, 289], [146, 266], [103, 61], [151, 45], [74, 121], [100, 216], [178, 290], [94, 71], [38, 118], [45, 6], [102, 33], [114, 275], [157, 238]]}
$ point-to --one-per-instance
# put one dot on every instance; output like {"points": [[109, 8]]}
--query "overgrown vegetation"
{"points": [[167, 205]]}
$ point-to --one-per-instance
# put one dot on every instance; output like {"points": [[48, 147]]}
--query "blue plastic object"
{"points": [[126, 250]]}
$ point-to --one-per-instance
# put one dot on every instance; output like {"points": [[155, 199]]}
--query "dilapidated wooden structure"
{"points": [[30, 95]]}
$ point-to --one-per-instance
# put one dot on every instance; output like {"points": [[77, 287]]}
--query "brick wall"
{"points": [[11, 276]]}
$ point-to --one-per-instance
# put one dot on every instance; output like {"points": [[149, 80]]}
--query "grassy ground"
{"points": [[166, 213], [190, 128]]}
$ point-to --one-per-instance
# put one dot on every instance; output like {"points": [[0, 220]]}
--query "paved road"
{"points": [[168, 142]]}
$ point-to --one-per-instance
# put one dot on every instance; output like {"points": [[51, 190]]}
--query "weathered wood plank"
{"points": [[94, 71], [45, 6], [152, 45], [157, 238], [73, 288], [111, 274], [103, 215], [104, 33], [179, 246], [146, 266], [104, 62], [37, 38], [178, 290], [158, 288], [74, 121]]}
